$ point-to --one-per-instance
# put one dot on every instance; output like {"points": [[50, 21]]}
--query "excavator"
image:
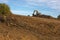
{"points": [[36, 13]]}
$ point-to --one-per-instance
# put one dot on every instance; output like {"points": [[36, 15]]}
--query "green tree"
{"points": [[4, 9], [58, 17]]}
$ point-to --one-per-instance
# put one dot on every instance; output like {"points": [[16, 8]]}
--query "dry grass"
{"points": [[29, 28]]}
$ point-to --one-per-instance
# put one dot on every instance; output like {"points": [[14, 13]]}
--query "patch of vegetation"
{"points": [[4, 9], [4, 12], [58, 17]]}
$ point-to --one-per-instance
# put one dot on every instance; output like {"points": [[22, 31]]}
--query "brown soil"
{"points": [[17, 27]]}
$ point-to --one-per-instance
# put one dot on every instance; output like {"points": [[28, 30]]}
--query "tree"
{"points": [[28, 15], [4, 9], [58, 17], [4, 12]]}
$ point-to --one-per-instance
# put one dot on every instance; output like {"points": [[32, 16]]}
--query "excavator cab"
{"points": [[36, 13]]}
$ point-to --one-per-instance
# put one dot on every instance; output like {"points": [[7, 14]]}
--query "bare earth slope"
{"points": [[29, 28]]}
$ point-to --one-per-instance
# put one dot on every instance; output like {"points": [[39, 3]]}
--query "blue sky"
{"points": [[26, 7]]}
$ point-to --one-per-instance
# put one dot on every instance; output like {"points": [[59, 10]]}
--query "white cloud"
{"points": [[21, 12], [36, 1], [54, 4], [3, 1]]}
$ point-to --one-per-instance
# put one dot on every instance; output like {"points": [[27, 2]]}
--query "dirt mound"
{"points": [[17, 27]]}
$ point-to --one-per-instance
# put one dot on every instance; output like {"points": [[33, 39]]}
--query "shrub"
{"points": [[4, 12], [58, 17], [28, 15], [4, 9]]}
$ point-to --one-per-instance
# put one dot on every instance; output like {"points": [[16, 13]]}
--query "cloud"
{"points": [[21, 12], [53, 4], [4, 1]]}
